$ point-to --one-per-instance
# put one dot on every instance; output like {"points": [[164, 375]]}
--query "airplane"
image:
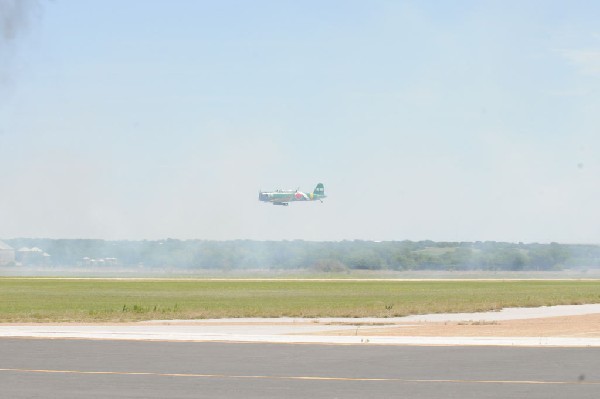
{"points": [[284, 197]]}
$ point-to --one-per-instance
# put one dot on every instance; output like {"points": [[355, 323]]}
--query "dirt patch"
{"points": [[565, 326], [580, 326]]}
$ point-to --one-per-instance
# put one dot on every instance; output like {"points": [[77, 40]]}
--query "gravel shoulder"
{"points": [[567, 322], [564, 326]]}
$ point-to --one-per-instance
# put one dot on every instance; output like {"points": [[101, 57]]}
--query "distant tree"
{"points": [[329, 266]]}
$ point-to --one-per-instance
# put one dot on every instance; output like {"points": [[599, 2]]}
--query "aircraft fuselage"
{"points": [[284, 197]]}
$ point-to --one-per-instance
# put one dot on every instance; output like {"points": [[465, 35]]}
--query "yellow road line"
{"points": [[303, 378]]}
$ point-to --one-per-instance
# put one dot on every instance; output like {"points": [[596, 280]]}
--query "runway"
{"points": [[137, 369], [299, 358]]}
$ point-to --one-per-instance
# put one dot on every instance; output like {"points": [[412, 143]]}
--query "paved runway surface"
{"points": [[48, 368], [152, 360]]}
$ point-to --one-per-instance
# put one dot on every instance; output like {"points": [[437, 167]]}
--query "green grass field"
{"points": [[98, 300]]}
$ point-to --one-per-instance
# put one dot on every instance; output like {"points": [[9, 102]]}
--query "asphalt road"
{"points": [[46, 368]]}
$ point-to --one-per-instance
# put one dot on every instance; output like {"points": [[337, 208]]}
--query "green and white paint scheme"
{"points": [[284, 197]]}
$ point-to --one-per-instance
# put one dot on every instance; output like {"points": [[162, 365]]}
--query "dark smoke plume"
{"points": [[15, 17]]}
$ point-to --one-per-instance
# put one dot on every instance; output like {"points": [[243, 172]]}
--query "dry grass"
{"points": [[99, 300]]}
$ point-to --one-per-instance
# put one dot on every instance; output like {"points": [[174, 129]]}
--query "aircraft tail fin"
{"points": [[319, 190]]}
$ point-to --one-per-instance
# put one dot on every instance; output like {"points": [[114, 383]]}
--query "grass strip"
{"points": [[101, 300]]}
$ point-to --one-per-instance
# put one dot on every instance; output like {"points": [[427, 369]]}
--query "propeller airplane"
{"points": [[284, 197]]}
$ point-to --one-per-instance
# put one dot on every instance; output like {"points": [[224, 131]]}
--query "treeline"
{"points": [[318, 256]]}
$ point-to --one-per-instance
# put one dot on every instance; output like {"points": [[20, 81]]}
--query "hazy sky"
{"points": [[442, 120]]}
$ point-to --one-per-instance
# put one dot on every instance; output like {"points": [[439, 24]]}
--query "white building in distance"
{"points": [[7, 254], [32, 256]]}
